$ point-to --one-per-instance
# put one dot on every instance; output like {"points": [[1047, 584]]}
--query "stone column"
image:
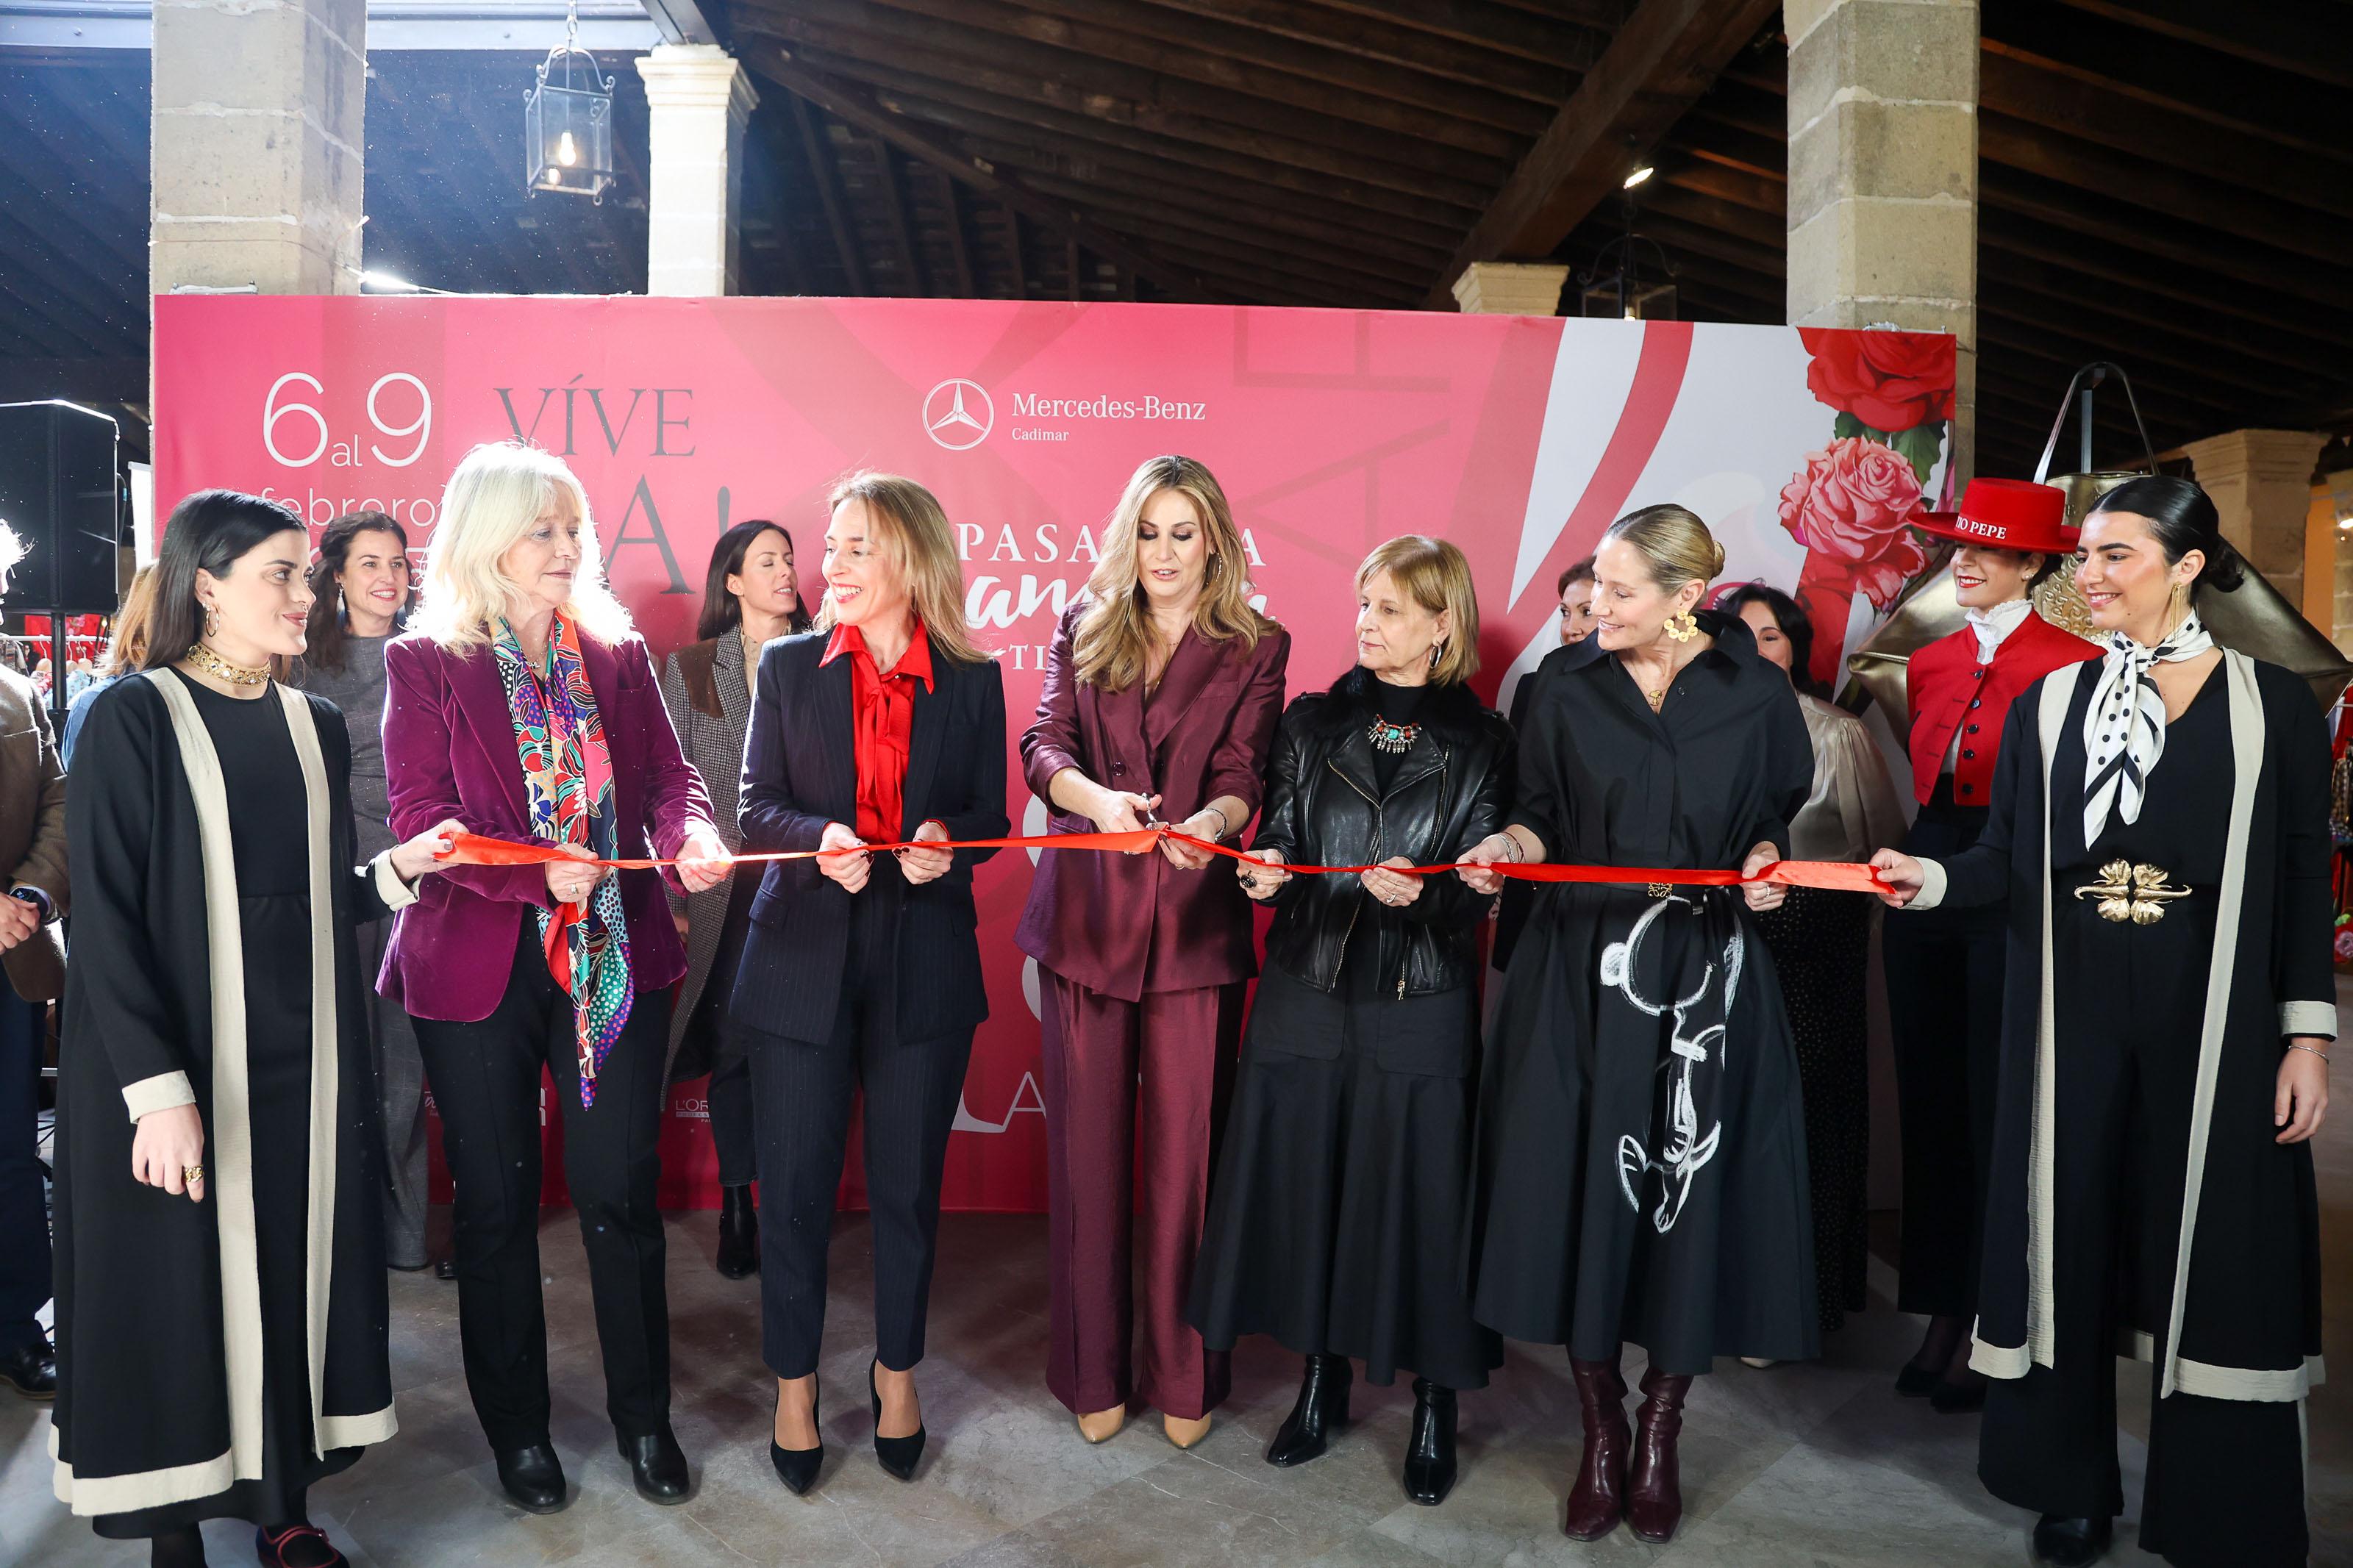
{"points": [[257, 145], [2262, 484], [699, 99], [1509, 289], [1883, 173]]}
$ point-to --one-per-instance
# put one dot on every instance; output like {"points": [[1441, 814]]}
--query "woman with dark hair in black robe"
{"points": [[2161, 824], [221, 1304]]}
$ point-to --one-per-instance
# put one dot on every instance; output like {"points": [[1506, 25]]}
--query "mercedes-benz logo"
{"points": [[958, 414]]}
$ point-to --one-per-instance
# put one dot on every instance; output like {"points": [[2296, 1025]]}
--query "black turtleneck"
{"points": [[1399, 705]]}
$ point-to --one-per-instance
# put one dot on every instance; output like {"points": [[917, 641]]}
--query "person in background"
{"points": [[1336, 1220], [126, 646], [1820, 944], [525, 706], [361, 592], [1945, 967], [2160, 828], [750, 596], [1160, 698], [1641, 1146], [33, 852], [222, 1318], [885, 725], [1575, 592]]}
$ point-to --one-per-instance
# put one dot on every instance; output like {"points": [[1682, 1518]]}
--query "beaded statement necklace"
{"points": [[212, 664], [1395, 739]]}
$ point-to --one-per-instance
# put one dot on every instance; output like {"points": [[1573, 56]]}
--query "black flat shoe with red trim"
{"points": [[296, 1546]]}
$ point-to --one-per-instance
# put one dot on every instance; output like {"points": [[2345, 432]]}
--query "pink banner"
{"points": [[1519, 438]]}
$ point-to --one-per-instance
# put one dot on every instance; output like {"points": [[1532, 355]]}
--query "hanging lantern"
{"points": [[567, 120]]}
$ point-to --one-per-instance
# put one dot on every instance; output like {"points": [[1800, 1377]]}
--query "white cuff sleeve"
{"points": [[2308, 1018], [161, 1092], [1932, 886], [396, 893]]}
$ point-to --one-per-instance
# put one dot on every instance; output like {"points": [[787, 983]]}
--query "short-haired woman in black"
{"points": [[2161, 822], [750, 596], [1336, 1219]]}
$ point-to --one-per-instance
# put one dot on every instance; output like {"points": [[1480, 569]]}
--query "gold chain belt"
{"points": [[2132, 892]]}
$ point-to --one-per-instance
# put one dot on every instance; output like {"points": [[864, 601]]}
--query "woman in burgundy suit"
{"points": [[525, 708], [1161, 696]]}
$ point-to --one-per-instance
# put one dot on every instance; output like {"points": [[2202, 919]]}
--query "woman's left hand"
{"points": [[703, 861], [921, 866], [1200, 825], [423, 853], [2301, 1099], [1392, 888], [1762, 895]]}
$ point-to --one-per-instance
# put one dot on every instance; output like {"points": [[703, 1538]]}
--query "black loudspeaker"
{"points": [[59, 491]]}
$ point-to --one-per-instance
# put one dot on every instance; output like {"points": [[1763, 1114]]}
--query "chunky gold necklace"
{"points": [[212, 664]]}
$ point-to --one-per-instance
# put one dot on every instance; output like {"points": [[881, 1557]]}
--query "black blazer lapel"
{"points": [[835, 741]]}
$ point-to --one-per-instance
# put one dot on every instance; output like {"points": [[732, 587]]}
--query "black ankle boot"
{"points": [[532, 1477], [2072, 1542], [658, 1466], [1323, 1407], [1430, 1447], [739, 1233]]}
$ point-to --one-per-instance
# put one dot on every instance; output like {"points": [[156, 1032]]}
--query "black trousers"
{"points": [[801, 1099], [1943, 970], [709, 1038], [24, 1201], [486, 1081], [2225, 1485]]}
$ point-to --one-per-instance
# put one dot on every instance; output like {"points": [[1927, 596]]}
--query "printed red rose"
{"points": [[1890, 381], [1852, 508]]}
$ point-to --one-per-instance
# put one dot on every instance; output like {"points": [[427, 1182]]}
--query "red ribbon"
{"points": [[472, 849]]}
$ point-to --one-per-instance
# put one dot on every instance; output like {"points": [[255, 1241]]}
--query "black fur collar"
{"points": [[1453, 712]]}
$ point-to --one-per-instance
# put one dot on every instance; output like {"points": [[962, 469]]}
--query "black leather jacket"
{"points": [[1323, 807]]}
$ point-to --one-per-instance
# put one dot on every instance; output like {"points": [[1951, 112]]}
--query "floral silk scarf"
{"points": [[567, 772]]}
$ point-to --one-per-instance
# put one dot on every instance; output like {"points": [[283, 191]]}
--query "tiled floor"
{"points": [[1817, 1466]]}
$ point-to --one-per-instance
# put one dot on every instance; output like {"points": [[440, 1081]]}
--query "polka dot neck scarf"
{"points": [[2124, 730]]}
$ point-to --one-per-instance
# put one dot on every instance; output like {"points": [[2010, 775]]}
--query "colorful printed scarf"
{"points": [[567, 774]]}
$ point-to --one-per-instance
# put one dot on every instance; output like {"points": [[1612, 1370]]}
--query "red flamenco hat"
{"points": [[2006, 514]]}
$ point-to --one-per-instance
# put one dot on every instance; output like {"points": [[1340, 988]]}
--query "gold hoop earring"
{"points": [[1682, 625], [211, 622]]}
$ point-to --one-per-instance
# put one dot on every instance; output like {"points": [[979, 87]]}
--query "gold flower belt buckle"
{"points": [[2132, 892]]}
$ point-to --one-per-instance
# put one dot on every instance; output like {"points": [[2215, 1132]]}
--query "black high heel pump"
{"points": [[896, 1454], [797, 1468]]}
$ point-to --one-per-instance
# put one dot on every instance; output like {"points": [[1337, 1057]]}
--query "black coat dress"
{"points": [[1337, 1210], [214, 1359], [1642, 1163]]}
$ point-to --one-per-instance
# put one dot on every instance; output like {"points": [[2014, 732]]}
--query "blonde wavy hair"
{"points": [[1112, 641], [911, 528], [499, 491], [1434, 575]]}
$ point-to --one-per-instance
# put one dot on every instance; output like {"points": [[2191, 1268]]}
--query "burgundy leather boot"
{"points": [[1598, 1502], [1654, 1493]]}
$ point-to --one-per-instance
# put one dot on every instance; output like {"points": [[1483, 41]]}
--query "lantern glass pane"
{"points": [[569, 140]]}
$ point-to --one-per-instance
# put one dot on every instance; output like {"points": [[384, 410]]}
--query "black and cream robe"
{"points": [[2243, 1319], [159, 1316]]}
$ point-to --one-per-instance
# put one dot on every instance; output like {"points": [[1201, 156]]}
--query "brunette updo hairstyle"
{"points": [[1674, 543], [2181, 518]]}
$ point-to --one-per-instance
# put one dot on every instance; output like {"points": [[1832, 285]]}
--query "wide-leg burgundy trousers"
{"points": [[1134, 1093]]}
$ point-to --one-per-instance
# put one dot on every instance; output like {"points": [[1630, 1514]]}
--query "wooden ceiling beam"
{"points": [[1013, 251], [1574, 41], [943, 191], [912, 271], [1198, 42], [2304, 38], [1662, 59], [1139, 214], [2256, 378], [954, 106], [1409, 47], [1178, 57], [2014, 83], [1159, 106], [860, 109], [825, 173]]}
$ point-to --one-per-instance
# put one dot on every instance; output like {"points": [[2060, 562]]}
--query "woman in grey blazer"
{"points": [[750, 595]]}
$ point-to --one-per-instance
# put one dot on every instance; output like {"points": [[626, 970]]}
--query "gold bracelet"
{"points": [[2316, 1050]]}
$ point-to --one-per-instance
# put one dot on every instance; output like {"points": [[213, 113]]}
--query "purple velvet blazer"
{"points": [[449, 752], [1123, 924]]}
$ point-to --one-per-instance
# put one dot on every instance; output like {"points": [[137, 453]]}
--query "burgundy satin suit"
{"points": [[1143, 971]]}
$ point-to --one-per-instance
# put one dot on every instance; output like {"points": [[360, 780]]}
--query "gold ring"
{"points": [[191, 1173]]}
